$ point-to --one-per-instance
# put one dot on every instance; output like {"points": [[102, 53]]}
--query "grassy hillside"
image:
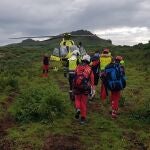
{"points": [[36, 113]]}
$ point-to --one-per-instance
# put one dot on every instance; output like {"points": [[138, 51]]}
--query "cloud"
{"points": [[50, 17], [124, 35]]}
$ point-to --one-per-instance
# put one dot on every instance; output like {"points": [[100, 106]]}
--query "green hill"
{"points": [[88, 42]]}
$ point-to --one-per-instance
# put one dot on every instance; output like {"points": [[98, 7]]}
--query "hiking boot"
{"points": [[46, 75], [77, 114], [114, 114], [82, 121]]}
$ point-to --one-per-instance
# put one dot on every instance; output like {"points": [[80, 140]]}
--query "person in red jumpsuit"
{"points": [[105, 59], [115, 95], [81, 92]]}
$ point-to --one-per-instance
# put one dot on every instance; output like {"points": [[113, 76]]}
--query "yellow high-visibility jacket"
{"points": [[105, 59], [69, 54], [72, 65]]}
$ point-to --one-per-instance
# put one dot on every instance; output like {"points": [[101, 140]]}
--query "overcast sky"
{"points": [[125, 22]]}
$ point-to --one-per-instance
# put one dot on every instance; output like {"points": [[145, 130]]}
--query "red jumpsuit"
{"points": [[103, 93], [114, 97], [82, 97]]}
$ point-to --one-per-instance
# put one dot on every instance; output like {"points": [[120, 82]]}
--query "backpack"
{"points": [[81, 80], [115, 78]]}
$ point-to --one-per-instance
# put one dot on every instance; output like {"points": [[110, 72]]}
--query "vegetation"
{"points": [[44, 116], [39, 103]]}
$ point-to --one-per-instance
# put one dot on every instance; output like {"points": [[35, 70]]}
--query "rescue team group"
{"points": [[84, 74]]}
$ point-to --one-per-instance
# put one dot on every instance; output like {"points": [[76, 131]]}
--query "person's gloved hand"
{"points": [[93, 93]]}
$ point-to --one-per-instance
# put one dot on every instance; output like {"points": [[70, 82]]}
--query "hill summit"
{"points": [[88, 42]]}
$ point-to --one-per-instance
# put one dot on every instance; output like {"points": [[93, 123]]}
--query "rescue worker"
{"points": [[105, 59], [95, 64], [45, 65], [72, 63], [65, 60], [115, 95], [83, 82]]}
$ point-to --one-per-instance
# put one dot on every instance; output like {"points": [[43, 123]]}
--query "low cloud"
{"points": [[125, 35]]}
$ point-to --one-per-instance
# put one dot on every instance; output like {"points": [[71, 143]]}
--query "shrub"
{"points": [[13, 83], [38, 104], [10, 82]]}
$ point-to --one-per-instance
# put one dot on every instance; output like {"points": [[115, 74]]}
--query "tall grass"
{"points": [[38, 103]]}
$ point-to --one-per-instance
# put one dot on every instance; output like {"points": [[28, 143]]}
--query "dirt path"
{"points": [[6, 122], [64, 142]]}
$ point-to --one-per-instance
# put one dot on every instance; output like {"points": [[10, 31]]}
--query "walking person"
{"points": [[83, 82], [105, 59], [72, 63], [95, 64], [115, 78], [45, 65]]}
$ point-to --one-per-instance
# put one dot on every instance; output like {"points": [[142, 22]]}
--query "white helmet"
{"points": [[75, 52], [87, 58]]}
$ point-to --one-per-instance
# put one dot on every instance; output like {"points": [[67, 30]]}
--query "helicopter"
{"points": [[66, 46]]}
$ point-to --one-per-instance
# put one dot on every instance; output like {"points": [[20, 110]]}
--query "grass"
{"points": [[101, 132]]}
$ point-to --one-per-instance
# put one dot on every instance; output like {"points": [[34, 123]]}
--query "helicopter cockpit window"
{"points": [[56, 52], [63, 51]]}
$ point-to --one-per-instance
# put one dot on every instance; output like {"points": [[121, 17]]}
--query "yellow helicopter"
{"points": [[66, 47]]}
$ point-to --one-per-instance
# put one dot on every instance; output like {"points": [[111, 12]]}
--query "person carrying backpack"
{"points": [[105, 59], [115, 81], [95, 64], [83, 82], [72, 63]]}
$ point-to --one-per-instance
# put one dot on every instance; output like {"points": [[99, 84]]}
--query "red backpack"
{"points": [[81, 80]]}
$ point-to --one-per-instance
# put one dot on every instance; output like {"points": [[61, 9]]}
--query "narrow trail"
{"points": [[64, 142], [6, 122]]}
